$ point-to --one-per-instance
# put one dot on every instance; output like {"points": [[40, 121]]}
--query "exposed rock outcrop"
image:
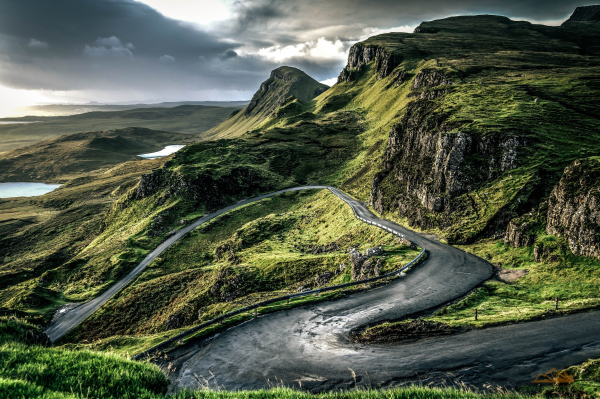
{"points": [[363, 266], [323, 278], [205, 188], [360, 54], [518, 234], [152, 182], [574, 207], [229, 285], [427, 166], [427, 77]]}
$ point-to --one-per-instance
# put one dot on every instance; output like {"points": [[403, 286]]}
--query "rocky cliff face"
{"points": [[359, 55], [427, 165], [574, 207], [204, 188]]}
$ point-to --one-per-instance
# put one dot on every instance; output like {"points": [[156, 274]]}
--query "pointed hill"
{"points": [[284, 82], [585, 14]]}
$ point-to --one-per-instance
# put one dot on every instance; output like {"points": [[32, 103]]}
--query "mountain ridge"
{"points": [[285, 84]]}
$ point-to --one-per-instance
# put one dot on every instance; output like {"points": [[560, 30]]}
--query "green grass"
{"points": [[271, 242], [573, 279], [29, 370], [587, 376]]}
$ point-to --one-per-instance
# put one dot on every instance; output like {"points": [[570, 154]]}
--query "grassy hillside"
{"points": [[70, 156], [284, 85], [189, 119], [272, 248], [41, 235]]}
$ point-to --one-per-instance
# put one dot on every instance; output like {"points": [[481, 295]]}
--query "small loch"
{"points": [[168, 150], [10, 190]]}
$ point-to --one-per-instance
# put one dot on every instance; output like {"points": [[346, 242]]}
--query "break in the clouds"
{"points": [[120, 47]]}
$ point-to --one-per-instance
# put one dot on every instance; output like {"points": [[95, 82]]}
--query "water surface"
{"points": [[168, 150], [16, 123], [10, 190]]}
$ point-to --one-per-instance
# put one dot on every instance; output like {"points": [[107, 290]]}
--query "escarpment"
{"points": [[360, 54], [574, 207], [428, 166], [206, 188]]}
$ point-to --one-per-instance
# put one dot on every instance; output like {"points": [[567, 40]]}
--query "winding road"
{"points": [[309, 347]]}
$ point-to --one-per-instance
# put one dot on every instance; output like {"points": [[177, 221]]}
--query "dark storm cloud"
{"points": [[99, 44], [259, 13], [69, 24], [308, 14], [125, 45]]}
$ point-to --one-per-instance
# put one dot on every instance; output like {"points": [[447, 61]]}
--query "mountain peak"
{"points": [[284, 82], [585, 14]]}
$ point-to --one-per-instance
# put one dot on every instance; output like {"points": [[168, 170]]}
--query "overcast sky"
{"points": [[170, 50]]}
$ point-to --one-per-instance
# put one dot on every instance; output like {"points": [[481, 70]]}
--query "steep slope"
{"points": [[585, 14], [493, 111], [284, 84], [67, 157]]}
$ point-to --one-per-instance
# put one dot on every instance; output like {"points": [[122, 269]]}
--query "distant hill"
{"points": [[73, 109], [67, 157], [585, 14], [190, 119], [284, 82]]}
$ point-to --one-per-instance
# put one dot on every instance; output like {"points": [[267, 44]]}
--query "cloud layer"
{"points": [[125, 46]]}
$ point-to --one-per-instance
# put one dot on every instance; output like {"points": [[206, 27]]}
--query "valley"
{"points": [[187, 119], [474, 137]]}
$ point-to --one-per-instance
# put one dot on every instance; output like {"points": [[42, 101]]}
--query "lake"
{"points": [[10, 190], [16, 123], [168, 150]]}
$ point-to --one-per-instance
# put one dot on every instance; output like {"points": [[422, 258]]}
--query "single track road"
{"points": [[309, 347]]}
